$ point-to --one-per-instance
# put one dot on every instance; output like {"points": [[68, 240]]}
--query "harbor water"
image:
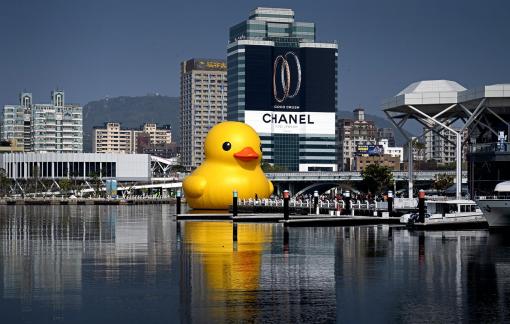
{"points": [[136, 264]]}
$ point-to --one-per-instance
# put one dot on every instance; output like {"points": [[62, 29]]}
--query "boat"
{"points": [[447, 213], [496, 208]]}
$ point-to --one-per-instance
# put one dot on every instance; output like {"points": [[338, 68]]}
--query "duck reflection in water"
{"points": [[229, 270]]}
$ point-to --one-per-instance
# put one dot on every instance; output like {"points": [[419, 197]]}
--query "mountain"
{"points": [[380, 122], [131, 112]]}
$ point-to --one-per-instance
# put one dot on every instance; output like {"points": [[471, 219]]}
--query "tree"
{"points": [[4, 182], [96, 183], [35, 177], [419, 147], [178, 168], [65, 185], [442, 182], [377, 178], [268, 167]]}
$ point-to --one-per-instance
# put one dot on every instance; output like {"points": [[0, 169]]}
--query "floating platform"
{"points": [[197, 216], [340, 221], [294, 220], [479, 223]]}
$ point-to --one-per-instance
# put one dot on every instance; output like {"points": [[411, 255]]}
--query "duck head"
{"points": [[233, 142]]}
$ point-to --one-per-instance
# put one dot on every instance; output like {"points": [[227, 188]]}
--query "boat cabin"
{"points": [[451, 207]]}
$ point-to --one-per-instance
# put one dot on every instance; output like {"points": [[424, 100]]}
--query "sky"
{"points": [[98, 48]]}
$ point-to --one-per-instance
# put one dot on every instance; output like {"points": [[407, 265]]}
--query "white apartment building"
{"points": [[203, 104], [54, 127], [393, 151], [441, 149]]}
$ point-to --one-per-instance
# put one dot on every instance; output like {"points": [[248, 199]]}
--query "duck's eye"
{"points": [[227, 146]]}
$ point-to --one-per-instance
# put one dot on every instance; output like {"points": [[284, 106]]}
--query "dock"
{"points": [[480, 223], [340, 221], [86, 201], [295, 220]]}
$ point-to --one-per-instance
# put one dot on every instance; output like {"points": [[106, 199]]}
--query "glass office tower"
{"points": [[284, 84]]}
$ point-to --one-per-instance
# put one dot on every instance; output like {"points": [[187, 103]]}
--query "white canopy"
{"points": [[503, 187]]}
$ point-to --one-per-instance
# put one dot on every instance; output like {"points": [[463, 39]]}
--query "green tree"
{"points": [[96, 183], [178, 168], [442, 182], [377, 178], [35, 178], [65, 185], [4, 182], [268, 167], [419, 147]]}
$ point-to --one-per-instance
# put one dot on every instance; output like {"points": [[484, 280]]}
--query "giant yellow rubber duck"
{"points": [[232, 162]]}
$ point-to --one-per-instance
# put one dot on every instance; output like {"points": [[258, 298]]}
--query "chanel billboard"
{"points": [[290, 90]]}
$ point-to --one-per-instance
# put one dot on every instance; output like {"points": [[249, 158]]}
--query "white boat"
{"points": [[496, 208], [447, 212]]}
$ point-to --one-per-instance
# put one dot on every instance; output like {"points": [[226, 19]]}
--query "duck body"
{"points": [[232, 163]]}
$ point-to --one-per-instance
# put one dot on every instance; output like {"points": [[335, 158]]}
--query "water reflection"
{"points": [[222, 273], [58, 261], [137, 264]]}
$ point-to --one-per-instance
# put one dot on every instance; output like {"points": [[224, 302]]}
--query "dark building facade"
{"points": [[284, 84]]}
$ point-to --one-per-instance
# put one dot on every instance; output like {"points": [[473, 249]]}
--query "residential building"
{"points": [[283, 83], [418, 149], [54, 127], [149, 138], [167, 151], [442, 147], [17, 122], [203, 104], [388, 134], [361, 162], [112, 139], [353, 133], [10, 146], [392, 150], [156, 136]]}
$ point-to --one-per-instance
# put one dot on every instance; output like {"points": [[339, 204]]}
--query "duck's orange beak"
{"points": [[246, 154]]}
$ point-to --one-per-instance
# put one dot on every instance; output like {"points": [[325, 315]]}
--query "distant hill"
{"points": [[133, 112]]}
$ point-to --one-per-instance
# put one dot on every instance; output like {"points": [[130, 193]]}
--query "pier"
{"points": [[87, 201]]}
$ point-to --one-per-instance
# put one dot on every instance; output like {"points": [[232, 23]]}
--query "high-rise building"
{"points": [[16, 122], [353, 133], [203, 104], [284, 84], [441, 147], [54, 127]]}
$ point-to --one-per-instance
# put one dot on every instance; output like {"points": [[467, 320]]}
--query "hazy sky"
{"points": [[98, 48]]}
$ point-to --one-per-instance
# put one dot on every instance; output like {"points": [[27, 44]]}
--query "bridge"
{"points": [[167, 182], [343, 176], [296, 182], [306, 182]]}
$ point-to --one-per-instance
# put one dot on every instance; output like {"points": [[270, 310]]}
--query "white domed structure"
{"points": [[444, 105], [432, 86], [430, 95]]}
